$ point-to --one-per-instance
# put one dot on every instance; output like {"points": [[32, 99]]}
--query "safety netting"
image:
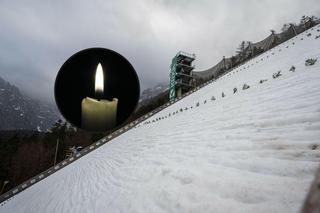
{"points": [[251, 50]]}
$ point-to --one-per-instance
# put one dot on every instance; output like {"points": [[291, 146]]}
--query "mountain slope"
{"points": [[149, 93], [20, 112], [253, 151]]}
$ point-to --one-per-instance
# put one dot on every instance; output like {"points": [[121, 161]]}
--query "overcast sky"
{"points": [[38, 36]]}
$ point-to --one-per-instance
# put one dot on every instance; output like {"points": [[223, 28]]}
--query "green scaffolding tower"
{"points": [[181, 79]]}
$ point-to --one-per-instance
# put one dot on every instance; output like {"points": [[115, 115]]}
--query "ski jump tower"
{"points": [[181, 79]]}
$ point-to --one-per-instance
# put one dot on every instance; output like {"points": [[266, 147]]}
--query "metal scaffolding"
{"points": [[181, 79]]}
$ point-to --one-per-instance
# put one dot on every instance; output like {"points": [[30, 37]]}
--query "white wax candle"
{"points": [[98, 115]]}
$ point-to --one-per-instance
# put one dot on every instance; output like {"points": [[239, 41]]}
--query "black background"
{"points": [[76, 80]]}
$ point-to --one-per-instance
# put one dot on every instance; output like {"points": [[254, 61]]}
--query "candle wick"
{"points": [[99, 95]]}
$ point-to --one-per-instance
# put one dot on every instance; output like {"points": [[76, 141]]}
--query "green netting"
{"points": [[173, 73]]}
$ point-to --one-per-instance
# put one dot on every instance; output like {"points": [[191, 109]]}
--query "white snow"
{"points": [[253, 151]]}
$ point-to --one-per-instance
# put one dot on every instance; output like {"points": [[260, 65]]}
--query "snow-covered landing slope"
{"points": [[253, 151]]}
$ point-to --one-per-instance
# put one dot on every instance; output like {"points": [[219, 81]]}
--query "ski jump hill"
{"points": [[255, 150]]}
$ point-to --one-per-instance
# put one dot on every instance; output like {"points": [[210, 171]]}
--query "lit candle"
{"points": [[98, 114]]}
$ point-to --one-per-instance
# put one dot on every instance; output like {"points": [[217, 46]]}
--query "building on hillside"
{"points": [[181, 80]]}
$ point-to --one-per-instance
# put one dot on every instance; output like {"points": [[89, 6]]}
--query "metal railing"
{"points": [[186, 54], [26, 184]]}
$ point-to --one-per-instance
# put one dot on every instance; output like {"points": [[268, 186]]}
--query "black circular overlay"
{"points": [[76, 81]]}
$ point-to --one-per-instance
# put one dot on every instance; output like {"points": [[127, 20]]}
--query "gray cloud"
{"points": [[38, 36]]}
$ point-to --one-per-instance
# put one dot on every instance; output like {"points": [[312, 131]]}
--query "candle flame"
{"points": [[99, 83]]}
